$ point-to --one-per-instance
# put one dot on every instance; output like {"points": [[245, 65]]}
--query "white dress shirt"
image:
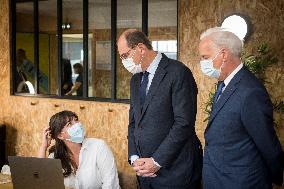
{"points": [[97, 168], [230, 77], [151, 70]]}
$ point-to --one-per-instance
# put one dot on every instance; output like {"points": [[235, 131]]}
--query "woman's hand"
{"points": [[46, 140]]}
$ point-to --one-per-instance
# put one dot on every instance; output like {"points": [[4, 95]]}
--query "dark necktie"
{"points": [[219, 91], [143, 88]]}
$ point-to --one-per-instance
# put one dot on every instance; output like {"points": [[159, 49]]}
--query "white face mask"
{"points": [[131, 66], [76, 133], [208, 69]]}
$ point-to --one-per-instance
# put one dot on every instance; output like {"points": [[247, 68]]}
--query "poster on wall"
{"points": [[103, 55]]}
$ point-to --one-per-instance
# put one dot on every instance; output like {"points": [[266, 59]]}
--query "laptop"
{"points": [[36, 173]]}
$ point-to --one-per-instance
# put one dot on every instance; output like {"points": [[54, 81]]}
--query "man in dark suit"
{"points": [[162, 144], [242, 150]]}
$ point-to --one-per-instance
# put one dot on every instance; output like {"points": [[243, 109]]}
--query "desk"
{"points": [[6, 186], [5, 182]]}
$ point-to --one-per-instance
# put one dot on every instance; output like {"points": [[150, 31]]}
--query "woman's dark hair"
{"points": [[60, 150], [133, 38], [79, 67]]}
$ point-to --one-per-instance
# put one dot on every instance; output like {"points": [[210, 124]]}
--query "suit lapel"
{"points": [[230, 89], [158, 77]]}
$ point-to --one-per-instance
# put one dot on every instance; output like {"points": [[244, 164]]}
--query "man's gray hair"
{"points": [[223, 38]]}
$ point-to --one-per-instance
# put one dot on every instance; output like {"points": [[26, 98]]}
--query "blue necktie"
{"points": [[219, 91], [143, 88]]}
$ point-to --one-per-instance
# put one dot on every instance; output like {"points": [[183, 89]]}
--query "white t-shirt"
{"points": [[97, 168]]}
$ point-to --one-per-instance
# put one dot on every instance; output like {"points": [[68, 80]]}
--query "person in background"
{"points": [[163, 147], [66, 76], [78, 85], [242, 150], [21, 77], [26, 72], [87, 163]]}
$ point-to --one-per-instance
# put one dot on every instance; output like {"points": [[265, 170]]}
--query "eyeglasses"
{"points": [[125, 55]]}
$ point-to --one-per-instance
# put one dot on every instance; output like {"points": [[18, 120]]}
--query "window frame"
{"points": [[85, 97]]}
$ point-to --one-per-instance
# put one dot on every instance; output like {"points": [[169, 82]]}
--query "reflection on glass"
{"points": [[100, 48], [48, 47], [163, 29], [72, 48], [237, 25], [24, 48], [129, 15], [66, 76], [78, 82], [72, 55]]}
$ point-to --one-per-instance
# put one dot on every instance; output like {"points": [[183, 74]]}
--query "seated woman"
{"points": [[87, 163]]}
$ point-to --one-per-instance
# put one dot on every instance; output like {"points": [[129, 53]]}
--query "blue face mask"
{"points": [[76, 133], [208, 69]]}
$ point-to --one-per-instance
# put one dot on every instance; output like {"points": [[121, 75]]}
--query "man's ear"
{"points": [[225, 54], [141, 48]]}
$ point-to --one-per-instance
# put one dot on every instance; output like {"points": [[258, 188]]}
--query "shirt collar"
{"points": [[85, 144], [154, 65], [230, 77]]}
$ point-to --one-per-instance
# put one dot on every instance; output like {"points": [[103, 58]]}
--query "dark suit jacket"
{"points": [[66, 75], [164, 128], [241, 148]]}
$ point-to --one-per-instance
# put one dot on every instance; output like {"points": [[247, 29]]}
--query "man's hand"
{"points": [[145, 167], [137, 163]]}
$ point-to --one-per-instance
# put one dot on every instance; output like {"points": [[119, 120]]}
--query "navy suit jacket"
{"points": [[164, 127], [242, 150]]}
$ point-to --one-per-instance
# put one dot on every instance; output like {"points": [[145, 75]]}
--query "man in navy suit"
{"points": [[162, 145], [242, 150]]}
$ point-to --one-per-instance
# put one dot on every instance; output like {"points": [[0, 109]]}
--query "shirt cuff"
{"points": [[156, 163], [133, 158]]}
